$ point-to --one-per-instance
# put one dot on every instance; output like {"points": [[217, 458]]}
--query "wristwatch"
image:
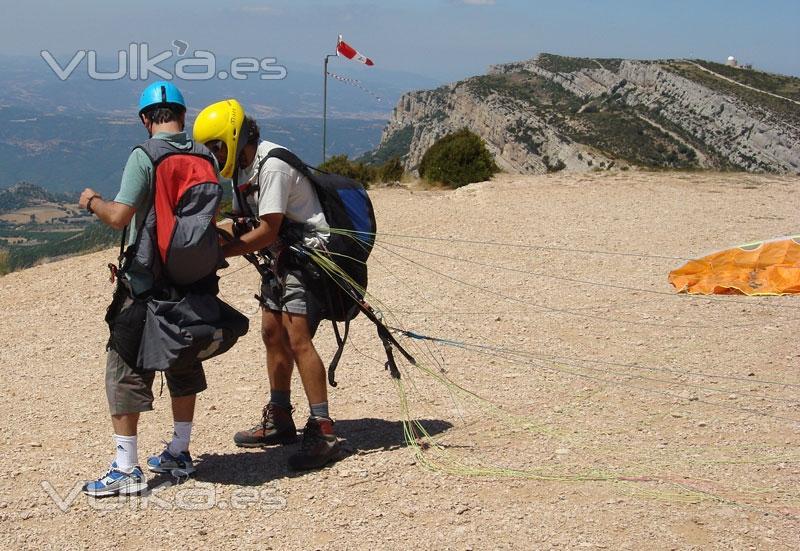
{"points": [[89, 203]]}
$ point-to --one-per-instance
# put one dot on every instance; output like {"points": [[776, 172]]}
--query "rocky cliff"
{"points": [[552, 113]]}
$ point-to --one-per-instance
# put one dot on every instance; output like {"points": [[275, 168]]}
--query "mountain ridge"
{"points": [[553, 112]]}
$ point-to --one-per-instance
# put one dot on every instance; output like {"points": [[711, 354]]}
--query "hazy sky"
{"points": [[443, 39]]}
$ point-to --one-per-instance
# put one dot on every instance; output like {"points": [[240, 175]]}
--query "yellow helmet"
{"points": [[222, 121]]}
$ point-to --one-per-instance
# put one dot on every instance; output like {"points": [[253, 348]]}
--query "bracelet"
{"points": [[89, 202]]}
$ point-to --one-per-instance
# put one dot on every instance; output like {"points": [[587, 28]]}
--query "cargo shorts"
{"points": [[286, 294], [129, 389], [290, 294]]}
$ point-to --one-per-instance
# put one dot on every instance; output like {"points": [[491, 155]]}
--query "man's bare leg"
{"points": [[126, 424], [309, 364], [183, 408], [279, 355]]}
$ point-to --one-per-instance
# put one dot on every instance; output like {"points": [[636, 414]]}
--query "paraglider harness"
{"points": [[335, 294], [173, 317]]}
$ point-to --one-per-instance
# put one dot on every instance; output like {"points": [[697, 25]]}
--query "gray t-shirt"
{"points": [[282, 189]]}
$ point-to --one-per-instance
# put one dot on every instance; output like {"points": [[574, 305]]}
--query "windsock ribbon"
{"points": [[353, 82]]}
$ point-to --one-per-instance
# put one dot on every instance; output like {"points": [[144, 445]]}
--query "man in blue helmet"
{"points": [[129, 390]]}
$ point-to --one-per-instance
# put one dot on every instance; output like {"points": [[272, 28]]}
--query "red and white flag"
{"points": [[346, 50]]}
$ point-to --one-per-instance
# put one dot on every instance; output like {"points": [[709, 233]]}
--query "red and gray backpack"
{"points": [[176, 319], [177, 243]]}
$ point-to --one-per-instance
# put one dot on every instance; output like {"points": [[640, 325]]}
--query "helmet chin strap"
{"points": [[244, 206]]}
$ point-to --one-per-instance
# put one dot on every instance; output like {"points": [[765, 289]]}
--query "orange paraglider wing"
{"points": [[764, 268]]}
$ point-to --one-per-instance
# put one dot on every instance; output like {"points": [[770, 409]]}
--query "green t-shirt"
{"points": [[137, 181]]}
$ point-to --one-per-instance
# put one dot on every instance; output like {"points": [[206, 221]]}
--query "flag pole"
{"points": [[325, 105]]}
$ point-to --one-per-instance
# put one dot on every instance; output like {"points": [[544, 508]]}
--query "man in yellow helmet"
{"points": [[273, 192]]}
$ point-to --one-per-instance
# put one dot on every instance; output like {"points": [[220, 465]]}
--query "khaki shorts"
{"points": [[131, 390], [289, 295]]}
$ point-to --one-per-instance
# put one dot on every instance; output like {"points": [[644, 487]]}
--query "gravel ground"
{"points": [[613, 413]]}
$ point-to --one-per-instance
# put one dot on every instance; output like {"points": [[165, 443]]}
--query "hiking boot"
{"points": [[276, 427], [320, 446], [116, 482], [167, 463]]}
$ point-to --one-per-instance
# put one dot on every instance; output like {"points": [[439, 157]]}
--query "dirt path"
{"points": [[723, 77], [631, 418], [701, 157]]}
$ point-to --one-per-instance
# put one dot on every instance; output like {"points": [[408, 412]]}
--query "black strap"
{"points": [[390, 364], [388, 340], [289, 158], [139, 229], [244, 206], [386, 337], [340, 340]]}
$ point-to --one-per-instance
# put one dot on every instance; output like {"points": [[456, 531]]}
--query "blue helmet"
{"points": [[161, 94]]}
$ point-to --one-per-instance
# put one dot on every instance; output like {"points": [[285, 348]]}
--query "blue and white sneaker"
{"points": [[168, 463], [116, 482]]}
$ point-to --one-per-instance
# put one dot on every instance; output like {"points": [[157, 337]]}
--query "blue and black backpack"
{"points": [[350, 216], [338, 295]]}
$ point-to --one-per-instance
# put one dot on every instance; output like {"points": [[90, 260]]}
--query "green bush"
{"points": [[458, 159], [340, 164], [390, 171], [4, 268], [557, 166]]}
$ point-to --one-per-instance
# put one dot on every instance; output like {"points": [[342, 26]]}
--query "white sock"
{"points": [[127, 454], [180, 438]]}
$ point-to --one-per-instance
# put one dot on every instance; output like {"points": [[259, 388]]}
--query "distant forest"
{"points": [[54, 244]]}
